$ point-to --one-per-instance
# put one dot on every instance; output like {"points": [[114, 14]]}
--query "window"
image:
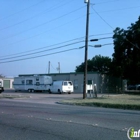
{"points": [[89, 82], [37, 79], [37, 83], [75, 84], [65, 83], [22, 82], [29, 82], [70, 83]]}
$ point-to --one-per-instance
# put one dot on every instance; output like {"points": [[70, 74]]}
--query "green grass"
{"points": [[123, 101]]}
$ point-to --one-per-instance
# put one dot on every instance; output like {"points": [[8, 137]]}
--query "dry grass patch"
{"points": [[12, 96], [123, 101]]}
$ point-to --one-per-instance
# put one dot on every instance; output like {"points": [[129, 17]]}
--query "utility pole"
{"points": [[49, 67], [59, 67], [86, 48]]}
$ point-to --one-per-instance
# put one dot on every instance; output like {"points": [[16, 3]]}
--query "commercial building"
{"points": [[7, 83], [104, 83]]}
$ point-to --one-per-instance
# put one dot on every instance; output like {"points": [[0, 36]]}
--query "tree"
{"points": [[126, 56], [98, 63]]}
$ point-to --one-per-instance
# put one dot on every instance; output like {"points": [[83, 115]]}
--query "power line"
{"points": [[42, 47], [107, 44], [58, 17], [53, 67], [102, 18], [127, 8], [79, 38], [48, 30], [42, 51], [104, 38], [107, 2], [42, 23], [46, 54], [48, 10], [22, 10], [38, 56], [113, 28]]}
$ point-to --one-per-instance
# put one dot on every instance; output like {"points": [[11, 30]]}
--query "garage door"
{"points": [[6, 83]]}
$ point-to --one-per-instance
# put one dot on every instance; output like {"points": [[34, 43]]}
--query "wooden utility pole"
{"points": [[86, 49]]}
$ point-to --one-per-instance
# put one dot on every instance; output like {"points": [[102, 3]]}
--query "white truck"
{"points": [[61, 87], [32, 83]]}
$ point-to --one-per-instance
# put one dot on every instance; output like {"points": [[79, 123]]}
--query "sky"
{"points": [[34, 32]]}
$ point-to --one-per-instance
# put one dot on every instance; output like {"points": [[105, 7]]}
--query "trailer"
{"points": [[32, 83]]}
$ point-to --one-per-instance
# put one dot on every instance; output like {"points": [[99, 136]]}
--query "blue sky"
{"points": [[38, 29]]}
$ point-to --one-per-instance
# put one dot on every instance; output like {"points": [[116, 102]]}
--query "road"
{"points": [[35, 119]]}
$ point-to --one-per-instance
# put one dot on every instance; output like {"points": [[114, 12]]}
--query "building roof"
{"points": [[58, 73]]}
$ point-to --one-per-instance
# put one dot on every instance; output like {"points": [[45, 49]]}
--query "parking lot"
{"points": [[38, 97]]}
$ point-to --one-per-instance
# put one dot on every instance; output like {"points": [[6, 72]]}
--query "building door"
{"points": [[6, 83]]}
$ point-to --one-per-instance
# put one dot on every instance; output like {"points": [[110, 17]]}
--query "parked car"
{"points": [[138, 87], [133, 87], [61, 87]]}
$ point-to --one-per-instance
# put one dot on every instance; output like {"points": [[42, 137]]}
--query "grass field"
{"points": [[123, 101]]}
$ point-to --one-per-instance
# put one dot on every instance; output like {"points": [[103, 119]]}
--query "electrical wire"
{"points": [[40, 24], [42, 50], [48, 30], [48, 10], [104, 38], [79, 38], [57, 44], [22, 10], [52, 66], [38, 56], [99, 45], [108, 44], [42, 47], [107, 2], [113, 28], [46, 54], [127, 8], [102, 18]]}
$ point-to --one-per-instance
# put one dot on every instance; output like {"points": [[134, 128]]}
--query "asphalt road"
{"points": [[41, 118]]}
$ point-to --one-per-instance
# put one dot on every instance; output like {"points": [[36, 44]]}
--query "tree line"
{"points": [[125, 61]]}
